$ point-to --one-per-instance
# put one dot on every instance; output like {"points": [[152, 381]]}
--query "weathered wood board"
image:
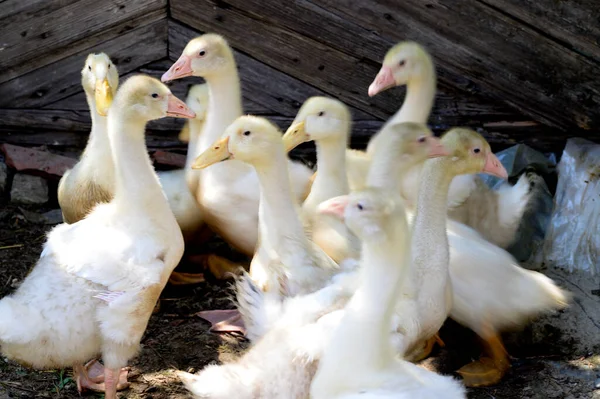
{"points": [[37, 33], [522, 71]]}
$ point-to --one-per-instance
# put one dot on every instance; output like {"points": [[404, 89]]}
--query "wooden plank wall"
{"points": [[519, 70]]}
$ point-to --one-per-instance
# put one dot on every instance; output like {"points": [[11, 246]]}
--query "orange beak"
{"points": [[494, 167], [178, 109], [181, 69], [383, 81]]}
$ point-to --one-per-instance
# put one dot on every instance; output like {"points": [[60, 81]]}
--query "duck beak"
{"points": [[437, 149], [178, 109], [103, 96], [184, 134], [334, 206], [181, 69], [218, 152], [294, 136], [494, 167], [383, 81]]}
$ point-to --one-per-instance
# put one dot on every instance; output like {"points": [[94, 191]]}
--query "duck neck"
{"points": [[195, 128], [386, 171], [368, 315], [417, 105], [430, 241], [225, 105], [98, 145], [136, 185], [331, 179], [279, 221]]}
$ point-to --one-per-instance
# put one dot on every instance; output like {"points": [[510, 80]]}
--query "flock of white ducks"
{"points": [[354, 269]]}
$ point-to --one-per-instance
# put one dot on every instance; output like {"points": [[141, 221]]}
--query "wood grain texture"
{"points": [[41, 33], [514, 62], [343, 76], [63, 78], [280, 93], [573, 23], [262, 83]]}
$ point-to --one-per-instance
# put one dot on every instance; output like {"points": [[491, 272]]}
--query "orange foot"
{"points": [[91, 377], [420, 352], [488, 370], [220, 267]]}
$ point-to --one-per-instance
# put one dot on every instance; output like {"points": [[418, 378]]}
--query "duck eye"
{"points": [[476, 150], [154, 95], [321, 113], [108, 66], [422, 139], [247, 133], [202, 53], [90, 67], [360, 207], [402, 63]]}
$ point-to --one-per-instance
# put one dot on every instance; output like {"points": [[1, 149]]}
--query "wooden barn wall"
{"points": [[518, 70]]}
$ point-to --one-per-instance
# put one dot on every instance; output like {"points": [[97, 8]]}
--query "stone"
{"points": [[32, 217], [36, 162], [166, 158], [53, 217], [3, 177], [29, 190]]}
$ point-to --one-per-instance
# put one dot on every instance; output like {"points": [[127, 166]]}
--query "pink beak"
{"points": [[334, 206], [436, 148], [178, 109], [181, 69], [384, 80], [494, 167]]}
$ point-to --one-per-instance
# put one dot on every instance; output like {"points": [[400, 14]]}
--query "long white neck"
{"points": [[97, 156], [430, 241], [225, 105], [137, 188], [279, 223], [331, 180], [419, 100], [361, 343], [417, 104]]}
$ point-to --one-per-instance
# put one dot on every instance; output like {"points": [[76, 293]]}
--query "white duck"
{"points": [[327, 122], [292, 333], [494, 214], [359, 360], [174, 182], [407, 144], [227, 192], [91, 180], [475, 267], [97, 280], [282, 239], [183, 203]]}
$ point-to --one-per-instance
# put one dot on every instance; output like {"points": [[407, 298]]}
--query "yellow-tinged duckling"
{"points": [[91, 180], [495, 214], [98, 280], [283, 243], [228, 192], [198, 95], [327, 122], [359, 360], [182, 201]]}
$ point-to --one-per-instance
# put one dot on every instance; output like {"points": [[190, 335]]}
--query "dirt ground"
{"points": [[176, 339]]}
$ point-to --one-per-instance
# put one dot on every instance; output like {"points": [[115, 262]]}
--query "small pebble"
{"points": [[597, 383]]}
